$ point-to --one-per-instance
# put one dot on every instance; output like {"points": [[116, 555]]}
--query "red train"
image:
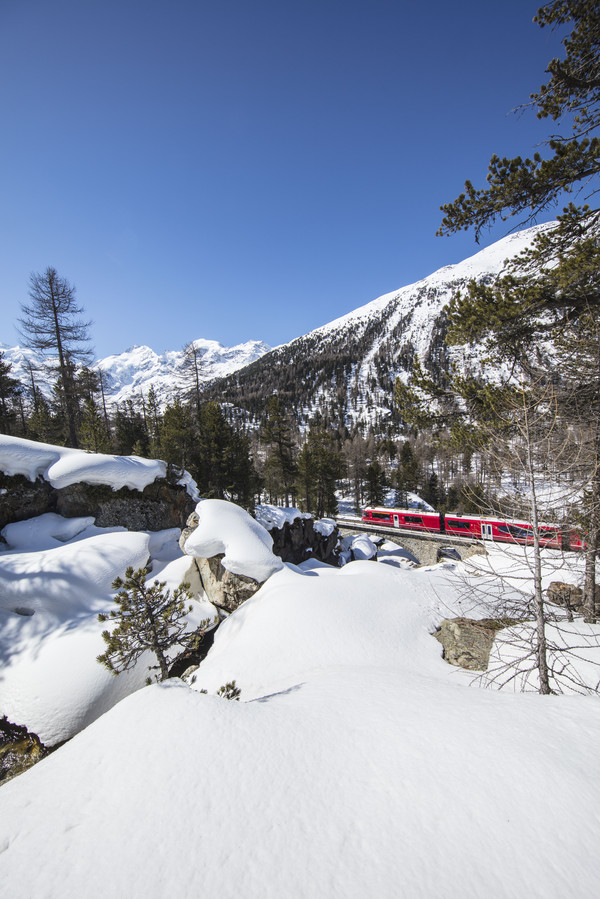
{"points": [[497, 529]]}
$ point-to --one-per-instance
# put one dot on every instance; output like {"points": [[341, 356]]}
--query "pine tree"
{"points": [[130, 430], [178, 435], [572, 93], [376, 484], [9, 393], [280, 464], [320, 465], [552, 289], [93, 433], [406, 475], [149, 619]]}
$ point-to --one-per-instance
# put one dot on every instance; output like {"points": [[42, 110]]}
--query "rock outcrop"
{"points": [[158, 506], [224, 589], [467, 642], [299, 541], [570, 597], [19, 749]]}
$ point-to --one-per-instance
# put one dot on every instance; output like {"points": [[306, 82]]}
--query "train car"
{"points": [[501, 530], [412, 519], [486, 528]]}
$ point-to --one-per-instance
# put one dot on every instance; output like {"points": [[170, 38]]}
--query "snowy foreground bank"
{"points": [[357, 763]]}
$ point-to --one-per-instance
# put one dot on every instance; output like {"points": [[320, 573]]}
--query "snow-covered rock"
{"points": [[226, 529]]}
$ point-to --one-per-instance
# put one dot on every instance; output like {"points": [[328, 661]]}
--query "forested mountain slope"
{"points": [[345, 370]]}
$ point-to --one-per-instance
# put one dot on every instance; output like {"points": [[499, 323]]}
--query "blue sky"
{"points": [[249, 169]]}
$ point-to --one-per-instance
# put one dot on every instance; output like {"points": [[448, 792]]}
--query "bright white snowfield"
{"points": [[357, 763]]}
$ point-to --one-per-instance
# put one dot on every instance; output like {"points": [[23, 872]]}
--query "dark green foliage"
{"points": [[149, 619], [177, 435], [227, 691], [280, 465], [572, 93], [222, 465], [320, 465], [431, 491], [376, 484], [9, 394], [130, 430], [406, 475]]}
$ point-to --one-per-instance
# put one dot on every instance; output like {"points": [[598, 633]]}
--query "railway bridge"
{"points": [[426, 546]]}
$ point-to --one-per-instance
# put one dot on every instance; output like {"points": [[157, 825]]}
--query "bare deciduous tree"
{"points": [[51, 323]]}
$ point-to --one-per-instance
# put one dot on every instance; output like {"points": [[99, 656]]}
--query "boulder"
{"points": [[467, 642], [223, 588], [19, 749], [21, 498], [570, 597], [158, 506], [190, 658], [190, 525]]}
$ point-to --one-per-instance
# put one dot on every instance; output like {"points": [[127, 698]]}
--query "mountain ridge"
{"points": [[343, 371]]}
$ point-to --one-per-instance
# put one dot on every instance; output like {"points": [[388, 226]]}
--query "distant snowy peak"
{"points": [[130, 374]]}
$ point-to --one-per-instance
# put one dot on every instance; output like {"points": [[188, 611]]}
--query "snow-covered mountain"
{"points": [[347, 368], [130, 374]]}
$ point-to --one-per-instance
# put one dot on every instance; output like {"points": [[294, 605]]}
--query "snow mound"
{"points": [[357, 764], [277, 516], [225, 528], [50, 636], [63, 466], [46, 531]]}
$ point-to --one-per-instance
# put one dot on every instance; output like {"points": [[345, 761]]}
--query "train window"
{"points": [[413, 519], [380, 516], [459, 525], [514, 530]]}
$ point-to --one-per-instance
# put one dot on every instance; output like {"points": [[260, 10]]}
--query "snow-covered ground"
{"points": [[357, 762]]}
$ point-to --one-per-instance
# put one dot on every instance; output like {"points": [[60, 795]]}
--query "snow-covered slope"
{"points": [[348, 367], [130, 374]]}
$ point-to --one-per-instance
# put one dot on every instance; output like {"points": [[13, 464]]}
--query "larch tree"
{"points": [[190, 373], [51, 323]]}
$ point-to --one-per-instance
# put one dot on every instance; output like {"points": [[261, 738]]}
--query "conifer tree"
{"points": [[93, 432], [9, 392], [571, 94], [277, 434], [190, 373], [177, 435], [51, 323], [553, 288], [130, 430], [149, 619], [376, 484], [320, 465]]}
